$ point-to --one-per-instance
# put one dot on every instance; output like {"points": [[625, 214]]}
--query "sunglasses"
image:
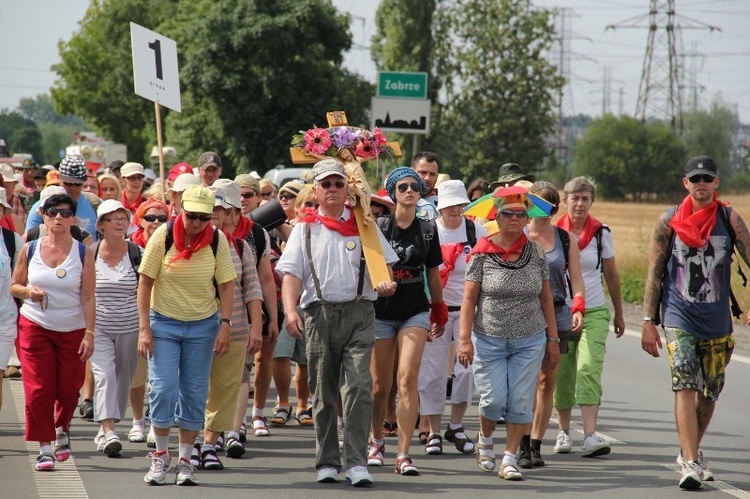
{"points": [[403, 187], [310, 204], [63, 212], [135, 178], [326, 184], [286, 197], [197, 216], [701, 178], [266, 194], [154, 218], [516, 213], [248, 195], [72, 184]]}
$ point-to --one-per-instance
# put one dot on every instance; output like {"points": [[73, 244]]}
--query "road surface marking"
{"points": [[716, 484]]}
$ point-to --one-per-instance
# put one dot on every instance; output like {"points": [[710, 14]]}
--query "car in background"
{"points": [[281, 175]]}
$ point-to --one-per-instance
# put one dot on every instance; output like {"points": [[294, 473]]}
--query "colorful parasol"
{"points": [[484, 207]]}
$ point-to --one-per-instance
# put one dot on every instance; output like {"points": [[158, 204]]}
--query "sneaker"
{"points": [[112, 445], [692, 476], [524, 458], [358, 476], [99, 441], [235, 448], [160, 464], [45, 462], [563, 445], [327, 475], [62, 447], [708, 475], [86, 410], [594, 446], [375, 454], [243, 433], [195, 455], [151, 438], [536, 458], [185, 474], [137, 434], [259, 427]]}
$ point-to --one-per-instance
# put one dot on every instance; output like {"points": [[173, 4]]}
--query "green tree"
{"points": [[41, 109], [709, 131], [20, 133], [500, 88]]}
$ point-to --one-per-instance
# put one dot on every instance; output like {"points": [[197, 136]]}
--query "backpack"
{"points": [[134, 254], [32, 248], [471, 233], [565, 241], [428, 235], [169, 238], [598, 237], [10, 244]]}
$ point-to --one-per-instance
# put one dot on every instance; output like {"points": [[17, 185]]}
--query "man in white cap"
{"points": [[132, 177], [182, 182]]}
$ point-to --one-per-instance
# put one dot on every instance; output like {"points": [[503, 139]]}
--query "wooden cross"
{"points": [[359, 195]]}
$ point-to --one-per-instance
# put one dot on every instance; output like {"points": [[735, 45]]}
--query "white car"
{"points": [[281, 176]]}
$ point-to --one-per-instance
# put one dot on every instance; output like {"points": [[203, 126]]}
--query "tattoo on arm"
{"points": [[743, 237], [660, 247]]}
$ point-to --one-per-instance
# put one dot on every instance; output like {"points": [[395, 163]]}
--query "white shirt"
{"points": [[454, 289], [592, 276], [336, 259]]}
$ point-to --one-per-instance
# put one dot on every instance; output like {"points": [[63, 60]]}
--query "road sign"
{"points": [[402, 85], [401, 115], [155, 67]]}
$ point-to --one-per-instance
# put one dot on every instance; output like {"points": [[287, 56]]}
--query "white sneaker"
{"points": [[112, 445], [137, 434], [594, 446], [358, 476], [185, 474], [151, 438], [563, 445], [327, 475], [160, 464], [708, 475], [692, 476], [99, 441]]}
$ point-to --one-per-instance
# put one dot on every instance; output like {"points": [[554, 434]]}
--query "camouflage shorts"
{"points": [[698, 364]]}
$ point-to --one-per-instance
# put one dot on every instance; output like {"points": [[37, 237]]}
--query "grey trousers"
{"points": [[340, 339], [113, 365]]}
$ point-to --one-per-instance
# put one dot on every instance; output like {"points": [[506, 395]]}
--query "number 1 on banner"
{"points": [[156, 47]]}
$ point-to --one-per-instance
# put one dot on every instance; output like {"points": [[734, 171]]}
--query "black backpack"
{"points": [[134, 254], [10, 244]]}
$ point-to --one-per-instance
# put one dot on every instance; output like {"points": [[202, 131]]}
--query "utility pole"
{"points": [[563, 68], [607, 90]]}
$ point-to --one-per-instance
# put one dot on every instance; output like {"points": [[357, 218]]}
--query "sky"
{"points": [[31, 29]]}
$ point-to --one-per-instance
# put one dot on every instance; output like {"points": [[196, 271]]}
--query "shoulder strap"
{"points": [[169, 237], [215, 242], [10, 244], [95, 249], [736, 309], [565, 240], [599, 244], [428, 233], [471, 233], [81, 252], [259, 238], [134, 253], [240, 247]]}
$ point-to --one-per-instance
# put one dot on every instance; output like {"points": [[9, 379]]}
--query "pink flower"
{"points": [[379, 138], [317, 141], [365, 149]]}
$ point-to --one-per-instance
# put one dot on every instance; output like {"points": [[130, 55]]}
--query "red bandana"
{"points": [[127, 205], [450, 255], [7, 223], [589, 229], [486, 246], [694, 229], [348, 228], [137, 237], [200, 241], [243, 228]]}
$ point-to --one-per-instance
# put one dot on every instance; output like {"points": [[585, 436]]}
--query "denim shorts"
{"points": [[505, 374], [386, 329], [697, 364]]}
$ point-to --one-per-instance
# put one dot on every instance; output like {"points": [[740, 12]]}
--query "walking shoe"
{"points": [[358, 476], [536, 458], [708, 475], [160, 464], [434, 445], [375, 454], [563, 445], [62, 447], [99, 440], [13, 372], [460, 439], [45, 462], [86, 410], [327, 475], [524, 458], [692, 476], [243, 433], [594, 446], [235, 448], [259, 427], [137, 434], [209, 460], [151, 438], [404, 466], [112, 445], [195, 455], [185, 474]]}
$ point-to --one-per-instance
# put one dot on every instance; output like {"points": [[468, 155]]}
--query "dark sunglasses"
{"points": [[248, 195], [310, 204], [63, 212], [403, 187], [701, 178], [511, 213], [266, 194], [72, 184], [154, 218], [326, 184], [197, 216], [286, 196]]}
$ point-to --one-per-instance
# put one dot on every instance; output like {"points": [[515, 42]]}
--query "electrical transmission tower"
{"points": [[563, 69], [660, 91]]}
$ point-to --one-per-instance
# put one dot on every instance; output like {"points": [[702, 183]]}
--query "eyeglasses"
{"points": [[154, 218], [116, 220], [310, 204], [266, 194], [705, 178], [516, 213], [326, 184], [72, 184], [197, 216], [63, 212], [286, 196], [403, 187], [248, 195]]}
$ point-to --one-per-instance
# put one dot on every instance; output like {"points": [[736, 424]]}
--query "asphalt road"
{"points": [[636, 416]]}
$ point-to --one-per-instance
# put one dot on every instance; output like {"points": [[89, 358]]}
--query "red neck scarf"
{"points": [[243, 228], [486, 246], [348, 228], [450, 255], [137, 237], [200, 241], [589, 229], [7, 223], [694, 229], [127, 205]]}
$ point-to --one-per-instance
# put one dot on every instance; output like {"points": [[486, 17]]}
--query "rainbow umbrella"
{"points": [[484, 207]]}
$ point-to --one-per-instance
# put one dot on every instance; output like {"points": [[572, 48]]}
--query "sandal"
{"points": [[463, 444], [423, 437], [508, 471], [281, 415], [485, 461], [404, 466], [243, 433], [434, 445], [62, 450], [260, 429], [375, 454], [390, 429], [304, 417], [210, 461], [45, 462]]}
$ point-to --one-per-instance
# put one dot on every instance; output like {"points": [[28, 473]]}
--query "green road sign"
{"points": [[402, 85]]}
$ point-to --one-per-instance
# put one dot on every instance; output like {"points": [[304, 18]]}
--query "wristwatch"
{"points": [[554, 340], [648, 319], [224, 319]]}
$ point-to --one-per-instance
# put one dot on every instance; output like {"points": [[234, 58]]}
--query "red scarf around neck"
{"points": [[694, 229], [128, 206], [243, 228], [199, 242], [7, 223], [589, 229], [486, 246], [137, 237], [347, 228], [450, 253]]}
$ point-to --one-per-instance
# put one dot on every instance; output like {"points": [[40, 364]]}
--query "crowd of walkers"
{"points": [[197, 302]]}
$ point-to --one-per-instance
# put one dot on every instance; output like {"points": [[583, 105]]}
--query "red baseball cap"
{"points": [[179, 169]]}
